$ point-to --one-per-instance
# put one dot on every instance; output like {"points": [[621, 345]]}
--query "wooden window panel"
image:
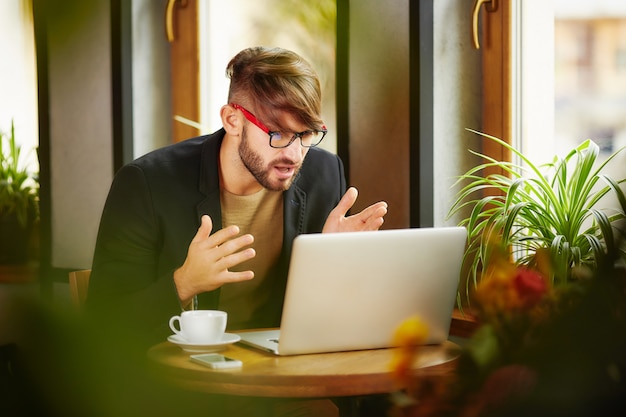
{"points": [[496, 59], [185, 68]]}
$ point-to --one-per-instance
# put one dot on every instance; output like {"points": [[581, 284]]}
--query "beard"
{"points": [[254, 163]]}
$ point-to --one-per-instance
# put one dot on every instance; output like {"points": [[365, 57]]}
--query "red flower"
{"points": [[530, 286]]}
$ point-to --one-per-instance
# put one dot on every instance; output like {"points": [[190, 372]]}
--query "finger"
{"points": [[381, 210], [206, 225], [232, 260], [235, 246], [374, 223], [231, 277], [372, 218], [221, 236], [346, 202], [375, 210]]}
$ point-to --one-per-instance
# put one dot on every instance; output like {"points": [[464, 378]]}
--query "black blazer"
{"points": [[152, 212]]}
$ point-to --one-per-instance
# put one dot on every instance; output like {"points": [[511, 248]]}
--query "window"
{"points": [[568, 81], [590, 73], [18, 80]]}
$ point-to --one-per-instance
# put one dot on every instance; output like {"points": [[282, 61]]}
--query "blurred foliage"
{"points": [[19, 188], [540, 350]]}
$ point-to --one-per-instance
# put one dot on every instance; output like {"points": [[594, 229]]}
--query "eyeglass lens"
{"points": [[308, 139]]}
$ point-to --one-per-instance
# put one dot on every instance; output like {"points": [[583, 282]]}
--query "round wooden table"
{"points": [[341, 374]]}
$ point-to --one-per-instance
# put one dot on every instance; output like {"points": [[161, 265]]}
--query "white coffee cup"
{"points": [[200, 326]]}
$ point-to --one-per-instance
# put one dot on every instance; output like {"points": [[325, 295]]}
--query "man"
{"points": [[208, 223]]}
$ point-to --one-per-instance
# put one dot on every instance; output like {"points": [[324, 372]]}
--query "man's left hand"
{"points": [[371, 218]]}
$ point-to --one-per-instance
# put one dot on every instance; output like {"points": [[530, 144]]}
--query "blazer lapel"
{"points": [[209, 185], [294, 211]]}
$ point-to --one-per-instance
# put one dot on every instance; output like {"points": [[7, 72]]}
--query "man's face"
{"points": [[275, 169]]}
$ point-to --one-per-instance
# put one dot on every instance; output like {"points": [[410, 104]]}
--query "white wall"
{"points": [[457, 100], [79, 67], [152, 122], [81, 133]]}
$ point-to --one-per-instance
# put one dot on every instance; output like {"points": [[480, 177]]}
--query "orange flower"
{"points": [[506, 288], [408, 337], [496, 295]]}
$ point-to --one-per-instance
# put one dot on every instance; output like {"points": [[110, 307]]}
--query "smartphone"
{"points": [[216, 361]]}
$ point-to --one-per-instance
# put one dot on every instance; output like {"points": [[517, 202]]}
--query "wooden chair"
{"points": [[79, 283]]}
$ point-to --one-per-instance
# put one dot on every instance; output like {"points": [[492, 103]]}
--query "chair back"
{"points": [[79, 283]]}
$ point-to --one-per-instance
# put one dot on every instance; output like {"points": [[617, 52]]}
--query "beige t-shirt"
{"points": [[261, 215]]}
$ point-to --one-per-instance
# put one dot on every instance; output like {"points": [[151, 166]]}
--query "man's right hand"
{"points": [[209, 258]]}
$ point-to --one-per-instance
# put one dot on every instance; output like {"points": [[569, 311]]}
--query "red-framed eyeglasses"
{"points": [[308, 138]]}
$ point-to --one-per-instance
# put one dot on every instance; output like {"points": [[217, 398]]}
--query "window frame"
{"points": [[497, 62]]}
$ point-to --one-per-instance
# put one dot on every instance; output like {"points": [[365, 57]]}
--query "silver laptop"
{"points": [[350, 291]]}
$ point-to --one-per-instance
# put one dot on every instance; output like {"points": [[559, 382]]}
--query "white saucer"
{"points": [[228, 339]]}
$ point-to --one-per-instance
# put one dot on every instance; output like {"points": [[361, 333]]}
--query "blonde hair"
{"points": [[272, 80]]}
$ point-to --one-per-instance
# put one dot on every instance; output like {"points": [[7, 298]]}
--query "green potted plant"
{"points": [[546, 214], [19, 202]]}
